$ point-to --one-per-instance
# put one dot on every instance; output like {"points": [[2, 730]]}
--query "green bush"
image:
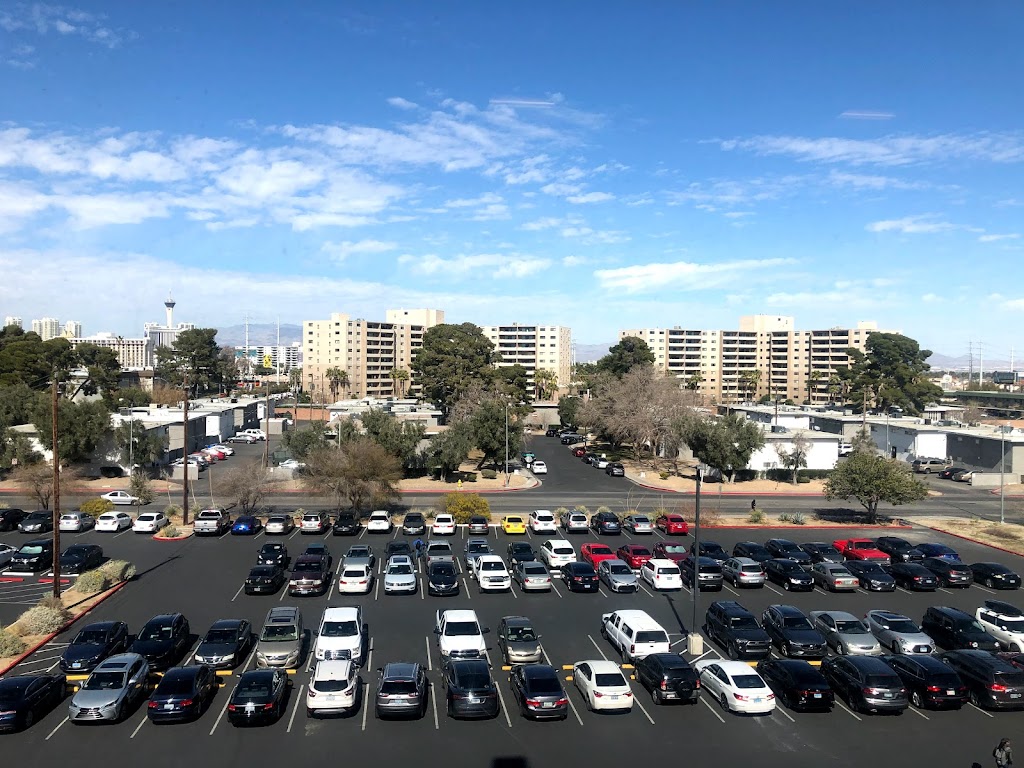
{"points": [[584, 510], [91, 582], [10, 643], [560, 511], [469, 477], [118, 570], [815, 474], [801, 479], [785, 517], [43, 619], [169, 532], [96, 507], [173, 510], [757, 517], [599, 510], [463, 506], [798, 519], [663, 475], [488, 474], [140, 487]]}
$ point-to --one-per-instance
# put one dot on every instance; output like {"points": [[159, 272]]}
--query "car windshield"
{"points": [[492, 565], [438, 550], [787, 546], [474, 680], [541, 686], [748, 681], [279, 633], [743, 622], [1014, 679], [461, 629], [442, 569], [970, 626], [105, 681], [796, 622], [91, 637], [330, 686], [339, 629], [609, 680], [481, 548], [276, 520], [602, 551], [261, 572], [359, 552], [904, 626], [156, 632], [392, 687], [668, 571], [620, 570], [882, 681], [308, 567], [751, 569], [31, 549], [534, 569], [399, 569], [791, 567], [871, 568], [562, 550], [850, 627], [674, 549], [521, 634], [272, 549], [221, 636]]}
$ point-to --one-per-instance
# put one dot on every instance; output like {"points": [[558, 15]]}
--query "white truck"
{"points": [[459, 635], [212, 522]]}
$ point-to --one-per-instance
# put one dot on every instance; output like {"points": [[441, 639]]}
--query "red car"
{"points": [[579, 452], [672, 524], [861, 549], [634, 555], [675, 551], [594, 553]]}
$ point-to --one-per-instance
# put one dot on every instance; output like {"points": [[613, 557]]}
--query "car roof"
{"points": [[308, 557], [1003, 608], [163, 618], [601, 666], [517, 621], [787, 610], [884, 614], [260, 675], [459, 614], [535, 671], [400, 670], [838, 615], [662, 562], [924, 660], [616, 561], [733, 668], [332, 670], [470, 665], [672, 660], [119, 662], [341, 613], [745, 561], [180, 673], [399, 560], [227, 623], [871, 664]]}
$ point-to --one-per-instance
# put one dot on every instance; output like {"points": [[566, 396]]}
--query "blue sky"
{"points": [[601, 166]]}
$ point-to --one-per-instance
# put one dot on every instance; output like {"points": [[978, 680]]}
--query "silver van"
{"points": [[281, 639]]}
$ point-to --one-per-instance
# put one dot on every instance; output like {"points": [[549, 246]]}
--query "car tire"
{"points": [[656, 697], [784, 649], [1015, 648], [840, 650], [26, 722], [975, 699], [309, 713], [915, 699], [733, 652], [724, 702]]}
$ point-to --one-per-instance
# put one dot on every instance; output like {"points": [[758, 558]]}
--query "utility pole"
{"points": [[695, 643], [864, 412], [56, 494], [266, 443], [184, 454]]}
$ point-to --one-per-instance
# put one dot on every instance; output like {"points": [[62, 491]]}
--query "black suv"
{"points": [[753, 550], [788, 549], [899, 550], [163, 640], [952, 628], [734, 628], [789, 575], [992, 682], [792, 632], [471, 692], [866, 682], [9, 518], [92, 645], [605, 522], [345, 525], [710, 573], [822, 552], [931, 683], [668, 677], [797, 684], [414, 523], [401, 691], [711, 549], [948, 573]]}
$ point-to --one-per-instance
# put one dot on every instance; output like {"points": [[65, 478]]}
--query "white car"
{"points": [[542, 521], [400, 576], [76, 521], [150, 522], [600, 463], [6, 553], [443, 525], [114, 521], [227, 450], [120, 497], [355, 580], [292, 464], [491, 574], [341, 635], [557, 552], [379, 522], [241, 437], [736, 686], [661, 574], [459, 634], [333, 688], [539, 467], [602, 685], [1005, 622]]}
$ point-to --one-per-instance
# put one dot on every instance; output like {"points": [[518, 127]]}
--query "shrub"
{"points": [[663, 475], [4, 505], [801, 479], [10, 643], [561, 511], [584, 510], [169, 532], [798, 519], [756, 517], [1003, 532], [298, 512], [43, 619], [118, 570], [785, 517], [91, 582], [140, 487], [488, 474], [96, 507], [463, 506], [468, 477], [599, 510], [173, 510]]}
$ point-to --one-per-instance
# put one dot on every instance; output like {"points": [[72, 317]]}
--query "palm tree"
{"points": [[750, 378], [295, 378], [338, 379], [812, 384], [401, 377], [693, 383], [545, 382]]}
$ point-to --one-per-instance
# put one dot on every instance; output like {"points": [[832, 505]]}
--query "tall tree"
{"points": [[493, 425], [80, 426], [399, 438], [726, 443], [103, 370], [359, 472], [890, 372], [568, 407], [862, 442], [295, 379], [337, 380], [513, 382], [137, 445], [813, 380], [452, 359], [400, 377], [545, 383], [194, 356], [449, 449], [795, 459], [302, 441], [749, 380], [626, 355], [872, 480]]}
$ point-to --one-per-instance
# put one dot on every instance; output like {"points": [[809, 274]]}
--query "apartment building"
{"points": [[764, 356], [46, 328], [535, 347], [72, 330], [366, 350], [133, 354], [12, 320]]}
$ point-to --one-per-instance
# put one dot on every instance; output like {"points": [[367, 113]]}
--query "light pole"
{"points": [[507, 403], [1002, 479], [695, 643], [888, 450]]}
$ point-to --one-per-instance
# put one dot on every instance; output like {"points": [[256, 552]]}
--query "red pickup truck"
{"points": [[860, 549]]}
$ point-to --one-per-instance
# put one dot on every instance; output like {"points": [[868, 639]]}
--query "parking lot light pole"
{"points": [[506, 442], [1002, 474], [56, 493], [695, 643]]}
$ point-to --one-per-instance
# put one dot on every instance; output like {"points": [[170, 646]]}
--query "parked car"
{"points": [[513, 525], [930, 682], [537, 690], [542, 521], [736, 629], [602, 685], [556, 553], [939, 550], [469, 690], [120, 497], [709, 576], [661, 575], [634, 555], [899, 550], [845, 633], [476, 547], [872, 575], [345, 524], [414, 524], [25, 698], [822, 552], [574, 522], [951, 472], [150, 522], [310, 575], [442, 579], [793, 633], [112, 688], [949, 573], [789, 574], [753, 551], [279, 525], [400, 576], [9, 519], [672, 525], [361, 554], [114, 522], [617, 576], [246, 525], [914, 576], [93, 644], [784, 548], [478, 526], [897, 632], [615, 469], [605, 523], [668, 677], [443, 525], [735, 686], [995, 576], [861, 549], [73, 522], [518, 641], [579, 577], [743, 572], [163, 640], [675, 551], [259, 697], [32, 557], [333, 688], [438, 552], [634, 634], [638, 525], [273, 553], [532, 576], [379, 522], [538, 467], [264, 580], [595, 552], [516, 552], [342, 634], [315, 523], [867, 683], [927, 466], [797, 684], [402, 691], [992, 682], [225, 644], [79, 558], [1005, 622], [952, 628], [40, 521], [710, 549], [833, 577]]}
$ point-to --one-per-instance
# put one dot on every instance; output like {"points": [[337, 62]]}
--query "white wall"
{"points": [[823, 454], [908, 441]]}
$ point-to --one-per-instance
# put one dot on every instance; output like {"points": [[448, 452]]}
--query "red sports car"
{"points": [[672, 524], [634, 555], [594, 553]]}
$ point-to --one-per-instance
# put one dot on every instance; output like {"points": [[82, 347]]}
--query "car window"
{"points": [[609, 679]]}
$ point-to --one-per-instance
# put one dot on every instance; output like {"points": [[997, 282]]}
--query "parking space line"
{"points": [[598, 648], [901, 589], [366, 706], [512, 590], [294, 534], [238, 592], [713, 711], [376, 588], [191, 653], [943, 589], [466, 584], [601, 591], [986, 714], [555, 588], [790, 717], [422, 590], [773, 589], [504, 709], [330, 591], [919, 712], [985, 589], [677, 642], [139, 726], [644, 589], [298, 700], [636, 700], [430, 664], [50, 734], [284, 592], [848, 711], [726, 586], [122, 533], [433, 702]]}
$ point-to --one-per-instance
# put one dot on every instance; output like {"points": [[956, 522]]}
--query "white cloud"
{"points": [[912, 225], [400, 103], [590, 197], [473, 202], [264, 181], [341, 251], [717, 193], [492, 212], [545, 222], [865, 114], [494, 265], [573, 261], [865, 181], [683, 275], [822, 299], [997, 238], [560, 189], [932, 298], [42, 19]]}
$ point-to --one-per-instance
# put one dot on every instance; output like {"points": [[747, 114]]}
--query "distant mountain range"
{"points": [[588, 353], [942, 362], [260, 335]]}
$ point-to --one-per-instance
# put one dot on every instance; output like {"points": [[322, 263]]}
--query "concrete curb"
{"points": [[842, 527], [188, 535], [973, 541], [110, 593], [815, 495]]}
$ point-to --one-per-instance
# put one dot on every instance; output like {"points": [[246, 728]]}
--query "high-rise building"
{"points": [[133, 354], [12, 320], [765, 356], [47, 328], [165, 335], [535, 347], [367, 351], [268, 356], [72, 330]]}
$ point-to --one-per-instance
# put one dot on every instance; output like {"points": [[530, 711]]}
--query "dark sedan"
{"points": [[914, 576], [9, 518], [949, 573], [273, 554], [939, 550], [537, 689], [442, 580], [226, 644], [930, 682], [822, 552], [26, 698], [899, 550], [79, 558], [580, 577], [246, 525], [470, 691], [93, 644], [345, 525], [951, 472], [40, 521], [264, 580], [797, 684], [789, 574], [163, 640], [183, 693], [995, 576], [258, 698], [478, 525], [873, 577], [35, 555]]}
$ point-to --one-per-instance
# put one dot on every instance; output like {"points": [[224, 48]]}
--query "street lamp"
{"points": [[1002, 472], [695, 643], [888, 449]]}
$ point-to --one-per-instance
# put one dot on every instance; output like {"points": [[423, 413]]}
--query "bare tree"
{"points": [[359, 472], [246, 485], [795, 459], [38, 480]]}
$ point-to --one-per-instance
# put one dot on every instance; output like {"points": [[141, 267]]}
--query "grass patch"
{"points": [[1002, 532]]}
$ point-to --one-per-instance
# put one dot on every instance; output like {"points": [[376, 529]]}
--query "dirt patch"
{"points": [[649, 477], [1008, 536]]}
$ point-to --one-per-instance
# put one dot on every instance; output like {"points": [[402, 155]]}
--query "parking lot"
{"points": [[203, 577]]}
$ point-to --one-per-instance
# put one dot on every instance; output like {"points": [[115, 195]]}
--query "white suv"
{"points": [[379, 522], [557, 552], [340, 635], [661, 574], [1005, 622], [459, 634], [542, 521], [333, 688], [491, 574], [443, 525]]}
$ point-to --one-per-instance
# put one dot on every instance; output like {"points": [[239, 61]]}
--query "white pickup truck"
{"points": [[459, 635], [212, 522]]}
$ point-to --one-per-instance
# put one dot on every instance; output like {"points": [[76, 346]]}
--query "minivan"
{"points": [[952, 628], [281, 639], [634, 633], [992, 682], [710, 573]]}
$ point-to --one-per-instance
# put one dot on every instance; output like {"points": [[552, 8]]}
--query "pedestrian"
{"points": [[1003, 754], [753, 505], [418, 545]]}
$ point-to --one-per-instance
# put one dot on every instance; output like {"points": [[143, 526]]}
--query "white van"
{"points": [[634, 633]]}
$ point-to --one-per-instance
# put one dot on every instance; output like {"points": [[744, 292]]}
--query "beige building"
{"points": [[366, 350], [765, 356], [535, 347], [133, 354], [47, 328]]}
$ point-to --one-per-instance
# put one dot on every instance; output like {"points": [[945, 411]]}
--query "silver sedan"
{"points": [[845, 633], [617, 576]]}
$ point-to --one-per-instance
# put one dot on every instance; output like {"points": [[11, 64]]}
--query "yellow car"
{"points": [[513, 524]]}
